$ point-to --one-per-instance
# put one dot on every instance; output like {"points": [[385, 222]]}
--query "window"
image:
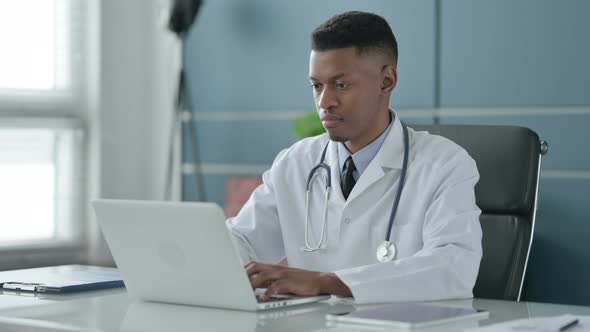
{"points": [[41, 134], [28, 60], [38, 177]]}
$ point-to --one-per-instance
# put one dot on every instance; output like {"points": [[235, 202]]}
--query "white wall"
{"points": [[130, 118]]}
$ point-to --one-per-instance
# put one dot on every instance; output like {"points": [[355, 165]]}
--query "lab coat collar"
{"points": [[390, 156]]}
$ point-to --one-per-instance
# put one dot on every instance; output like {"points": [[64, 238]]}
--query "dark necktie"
{"points": [[347, 179]]}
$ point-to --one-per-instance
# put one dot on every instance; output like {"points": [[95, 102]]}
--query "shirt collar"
{"points": [[364, 156]]}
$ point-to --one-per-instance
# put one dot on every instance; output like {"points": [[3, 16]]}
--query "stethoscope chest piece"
{"points": [[386, 252]]}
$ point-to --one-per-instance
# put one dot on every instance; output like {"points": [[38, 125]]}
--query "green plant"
{"points": [[308, 125]]}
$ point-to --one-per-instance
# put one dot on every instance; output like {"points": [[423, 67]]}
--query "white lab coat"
{"points": [[436, 229]]}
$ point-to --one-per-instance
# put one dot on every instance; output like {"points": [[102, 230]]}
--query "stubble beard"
{"points": [[341, 139]]}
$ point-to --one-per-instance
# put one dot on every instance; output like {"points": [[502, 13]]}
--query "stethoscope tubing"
{"points": [[326, 168], [402, 180]]}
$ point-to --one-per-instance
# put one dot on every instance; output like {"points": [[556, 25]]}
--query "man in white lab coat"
{"points": [[435, 233]]}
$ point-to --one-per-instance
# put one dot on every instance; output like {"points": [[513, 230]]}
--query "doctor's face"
{"points": [[349, 94]]}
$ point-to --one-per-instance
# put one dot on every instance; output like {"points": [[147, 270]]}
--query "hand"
{"points": [[279, 279]]}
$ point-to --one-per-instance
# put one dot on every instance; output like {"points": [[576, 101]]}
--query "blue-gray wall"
{"points": [[465, 61]]}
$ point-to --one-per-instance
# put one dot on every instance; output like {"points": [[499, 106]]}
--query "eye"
{"points": [[316, 86], [341, 85]]}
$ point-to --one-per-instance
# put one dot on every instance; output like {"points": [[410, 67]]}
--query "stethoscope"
{"points": [[386, 251]]}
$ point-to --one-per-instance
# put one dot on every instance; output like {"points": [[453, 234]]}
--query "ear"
{"points": [[389, 79]]}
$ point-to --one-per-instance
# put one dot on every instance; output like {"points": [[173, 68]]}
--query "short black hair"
{"points": [[361, 30]]}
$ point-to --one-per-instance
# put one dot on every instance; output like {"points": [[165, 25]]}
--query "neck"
{"points": [[385, 118]]}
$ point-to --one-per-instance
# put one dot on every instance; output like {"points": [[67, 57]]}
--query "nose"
{"points": [[327, 100]]}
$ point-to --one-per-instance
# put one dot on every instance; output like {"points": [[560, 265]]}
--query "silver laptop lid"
{"points": [[175, 252]]}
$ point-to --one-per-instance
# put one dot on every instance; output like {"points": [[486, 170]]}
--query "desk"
{"points": [[111, 310]]}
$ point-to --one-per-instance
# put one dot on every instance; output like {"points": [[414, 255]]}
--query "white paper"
{"points": [[541, 324]]}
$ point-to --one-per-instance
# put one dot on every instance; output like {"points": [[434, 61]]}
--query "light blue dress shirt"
{"points": [[363, 157]]}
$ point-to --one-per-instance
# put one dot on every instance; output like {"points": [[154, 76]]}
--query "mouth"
{"points": [[330, 121]]}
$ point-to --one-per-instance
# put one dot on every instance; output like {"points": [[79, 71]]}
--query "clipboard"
{"points": [[61, 279]]}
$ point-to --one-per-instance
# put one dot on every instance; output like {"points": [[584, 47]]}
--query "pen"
{"points": [[568, 325]]}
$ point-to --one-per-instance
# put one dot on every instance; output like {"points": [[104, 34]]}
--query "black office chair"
{"points": [[509, 161]]}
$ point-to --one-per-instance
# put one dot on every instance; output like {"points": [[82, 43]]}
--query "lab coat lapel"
{"points": [[390, 156], [332, 160], [372, 174]]}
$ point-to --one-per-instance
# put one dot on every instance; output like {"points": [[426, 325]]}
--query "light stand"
{"points": [[182, 17]]}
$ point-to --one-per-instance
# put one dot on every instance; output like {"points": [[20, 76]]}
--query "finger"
{"points": [[254, 268], [265, 278], [281, 286]]}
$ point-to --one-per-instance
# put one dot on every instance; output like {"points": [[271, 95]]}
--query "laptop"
{"points": [[182, 253]]}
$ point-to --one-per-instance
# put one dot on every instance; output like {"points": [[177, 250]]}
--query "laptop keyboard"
{"points": [[275, 298]]}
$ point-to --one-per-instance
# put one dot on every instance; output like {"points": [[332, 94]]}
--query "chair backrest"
{"points": [[508, 159]]}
